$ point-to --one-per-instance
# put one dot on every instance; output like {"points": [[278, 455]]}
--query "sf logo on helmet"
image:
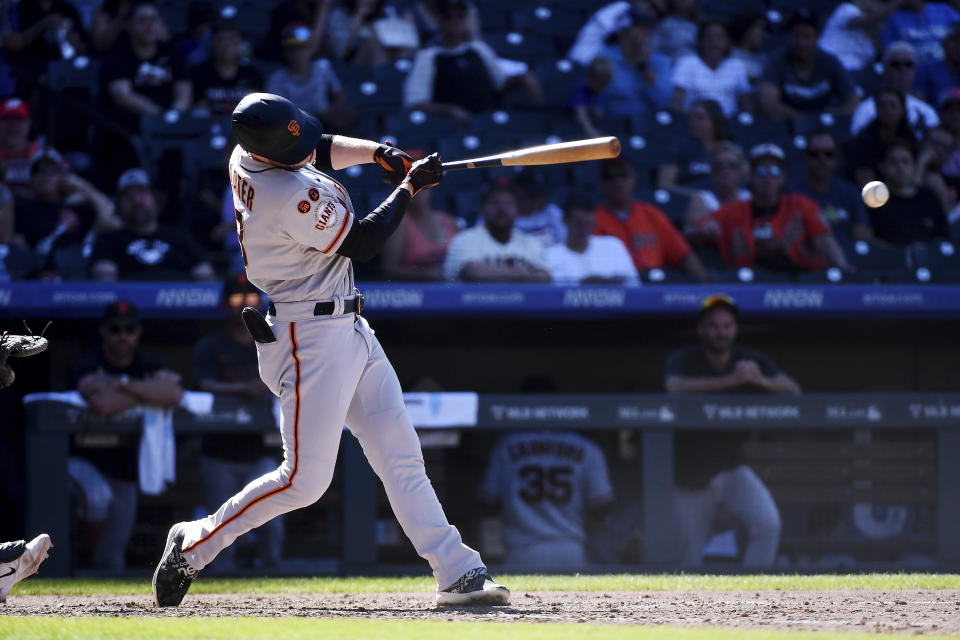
{"points": [[294, 127]]}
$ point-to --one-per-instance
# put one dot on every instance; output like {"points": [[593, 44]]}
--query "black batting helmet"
{"points": [[273, 127]]}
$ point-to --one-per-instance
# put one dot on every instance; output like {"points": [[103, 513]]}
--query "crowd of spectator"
{"points": [[847, 93], [747, 135]]}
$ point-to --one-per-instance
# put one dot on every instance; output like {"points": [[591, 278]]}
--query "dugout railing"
{"points": [[869, 464]]}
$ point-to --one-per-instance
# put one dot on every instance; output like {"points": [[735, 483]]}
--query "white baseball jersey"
{"points": [[476, 243], [544, 482], [605, 256], [290, 225]]}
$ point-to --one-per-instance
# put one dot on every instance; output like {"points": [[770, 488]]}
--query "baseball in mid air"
{"points": [[875, 194]]}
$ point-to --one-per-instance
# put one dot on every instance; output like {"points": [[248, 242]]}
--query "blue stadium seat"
{"points": [[369, 125], [77, 85], [70, 262], [494, 16], [726, 10], [872, 257], [531, 47], [549, 18], [384, 85], [751, 129], [378, 92], [936, 262], [416, 128], [563, 126], [837, 125], [835, 276], [466, 205], [252, 21], [644, 156], [169, 131], [711, 257], [17, 262], [81, 73], [665, 276], [748, 275], [868, 79], [509, 122], [557, 78], [673, 204]]}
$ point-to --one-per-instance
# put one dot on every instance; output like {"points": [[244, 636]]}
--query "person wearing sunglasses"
{"points": [[773, 229], [839, 200], [899, 72], [728, 168], [114, 376]]}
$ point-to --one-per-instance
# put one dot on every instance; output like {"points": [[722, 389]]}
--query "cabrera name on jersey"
{"points": [[290, 225]]}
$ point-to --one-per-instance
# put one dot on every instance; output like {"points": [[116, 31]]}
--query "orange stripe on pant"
{"points": [[296, 449]]}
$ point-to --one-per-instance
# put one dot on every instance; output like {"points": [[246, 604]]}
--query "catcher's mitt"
{"points": [[17, 346], [22, 346]]}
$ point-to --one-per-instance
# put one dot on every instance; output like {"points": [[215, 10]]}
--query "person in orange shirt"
{"points": [[773, 229], [649, 235]]}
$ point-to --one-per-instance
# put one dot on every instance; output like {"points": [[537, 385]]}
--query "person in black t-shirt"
{"points": [[714, 491], [142, 74], [462, 75], [222, 81], [59, 213], [143, 249], [805, 79], [113, 377], [913, 214], [226, 362], [44, 31]]}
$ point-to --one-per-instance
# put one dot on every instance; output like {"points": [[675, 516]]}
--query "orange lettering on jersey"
{"points": [[324, 217], [294, 127]]}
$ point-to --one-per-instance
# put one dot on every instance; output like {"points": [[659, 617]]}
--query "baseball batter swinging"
{"points": [[298, 234]]}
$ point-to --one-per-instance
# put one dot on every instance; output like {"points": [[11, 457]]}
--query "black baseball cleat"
{"points": [[174, 575], [474, 588]]}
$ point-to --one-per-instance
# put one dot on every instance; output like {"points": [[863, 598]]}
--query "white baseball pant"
{"points": [[330, 371]]}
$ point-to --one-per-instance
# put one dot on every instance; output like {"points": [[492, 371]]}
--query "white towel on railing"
{"points": [[158, 457], [197, 402]]}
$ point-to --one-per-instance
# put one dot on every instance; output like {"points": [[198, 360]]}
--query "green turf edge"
{"points": [[102, 628], [609, 582]]}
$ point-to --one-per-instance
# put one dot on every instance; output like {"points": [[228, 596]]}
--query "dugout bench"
{"points": [[804, 471]]}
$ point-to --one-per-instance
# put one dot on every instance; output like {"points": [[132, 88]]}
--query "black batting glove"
{"points": [[425, 173], [395, 163]]}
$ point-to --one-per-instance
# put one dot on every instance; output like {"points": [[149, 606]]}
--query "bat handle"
{"points": [[478, 163]]}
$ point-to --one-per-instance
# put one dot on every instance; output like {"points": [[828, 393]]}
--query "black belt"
{"points": [[353, 305]]}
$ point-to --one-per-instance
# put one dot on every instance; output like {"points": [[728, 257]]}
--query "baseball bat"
{"points": [[557, 153]]}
